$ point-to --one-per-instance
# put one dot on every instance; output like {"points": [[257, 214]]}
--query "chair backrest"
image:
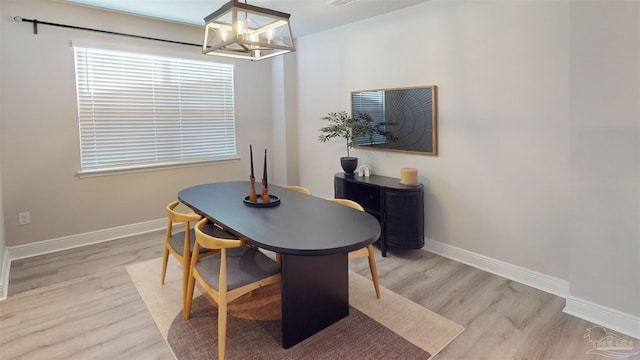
{"points": [[178, 217], [211, 242], [175, 216], [299, 189], [349, 203]]}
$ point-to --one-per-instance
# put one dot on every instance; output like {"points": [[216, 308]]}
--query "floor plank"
{"points": [[81, 304], [97, 316], [503, 319]]}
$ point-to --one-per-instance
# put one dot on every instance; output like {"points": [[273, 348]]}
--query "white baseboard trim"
{"points": [[619, 321], [73, 241], [602, 315], [4, 281], [522, 275]]}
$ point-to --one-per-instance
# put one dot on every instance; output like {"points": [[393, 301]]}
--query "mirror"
{"points": [[405, 118]]}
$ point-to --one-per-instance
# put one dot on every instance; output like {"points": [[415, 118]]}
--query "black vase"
{"points": [[349, 165]]}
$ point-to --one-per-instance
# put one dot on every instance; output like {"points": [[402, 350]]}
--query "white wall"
{"points": [[503, 111], [505, 184], [39, 147], [3, 281], [3, 244], [604, 221], [285, 129]]}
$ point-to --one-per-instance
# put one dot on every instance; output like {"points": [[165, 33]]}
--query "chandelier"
{"points": [[248, 32]]}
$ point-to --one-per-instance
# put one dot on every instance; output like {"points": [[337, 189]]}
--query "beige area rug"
{"points": [[413, 323]]}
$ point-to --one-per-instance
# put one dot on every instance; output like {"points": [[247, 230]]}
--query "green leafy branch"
{"points": [[341, 125]]}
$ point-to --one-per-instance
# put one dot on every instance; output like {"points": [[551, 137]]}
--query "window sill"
{"points": [[147, 168]]}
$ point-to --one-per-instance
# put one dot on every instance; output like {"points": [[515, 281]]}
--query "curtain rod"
{"points": [[36, 22]]}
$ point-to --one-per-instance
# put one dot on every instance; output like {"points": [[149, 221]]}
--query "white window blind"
{"points": [[139, 111]]}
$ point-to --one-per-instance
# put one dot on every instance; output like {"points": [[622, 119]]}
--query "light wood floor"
{"points": [[81, 304]]}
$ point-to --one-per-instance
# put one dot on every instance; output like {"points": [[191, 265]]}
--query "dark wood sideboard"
{"points": [[398, 207]]}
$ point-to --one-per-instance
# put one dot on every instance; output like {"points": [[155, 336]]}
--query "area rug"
{"points": [[386, 328]]}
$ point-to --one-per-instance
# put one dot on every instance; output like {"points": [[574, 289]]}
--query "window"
{"points": [[137, 111]]}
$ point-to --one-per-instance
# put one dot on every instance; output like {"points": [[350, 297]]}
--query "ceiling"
{"points": [[307, 16]]}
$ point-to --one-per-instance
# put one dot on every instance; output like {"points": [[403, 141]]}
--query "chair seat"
{"points": [[245, 265], [176, 241]]}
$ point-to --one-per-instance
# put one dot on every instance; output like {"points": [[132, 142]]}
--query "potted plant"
{"points": [[341, 125]]}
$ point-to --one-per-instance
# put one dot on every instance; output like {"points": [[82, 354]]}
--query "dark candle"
{"points": [[264, 173], [251, 155]]}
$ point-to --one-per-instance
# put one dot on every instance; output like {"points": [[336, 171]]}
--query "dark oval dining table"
{"points": [[312, 235]]}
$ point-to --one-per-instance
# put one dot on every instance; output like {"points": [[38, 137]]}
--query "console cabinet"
{"points": [[398, 207]]}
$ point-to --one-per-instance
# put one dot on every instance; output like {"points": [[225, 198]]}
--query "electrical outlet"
{"points": [[24, 218]]}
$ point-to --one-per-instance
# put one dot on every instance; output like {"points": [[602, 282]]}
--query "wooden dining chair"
{"points": [[179, 244], [365, 251], [299, 189], [235, 269]]}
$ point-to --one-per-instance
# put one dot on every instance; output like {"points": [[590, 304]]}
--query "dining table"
{"points": [[313, 237]]}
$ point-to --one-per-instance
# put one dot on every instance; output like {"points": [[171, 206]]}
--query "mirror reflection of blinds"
{"points": [[372, 104], [138, 111]]}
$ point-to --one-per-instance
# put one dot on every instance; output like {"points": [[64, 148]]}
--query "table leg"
{"points": [[315, 294]]}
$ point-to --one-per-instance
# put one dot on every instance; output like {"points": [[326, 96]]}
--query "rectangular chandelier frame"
{"points": [[248, 32]]}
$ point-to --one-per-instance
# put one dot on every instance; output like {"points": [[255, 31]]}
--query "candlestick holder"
{"points": [[264, 200], [265, 192], [253, 197]]}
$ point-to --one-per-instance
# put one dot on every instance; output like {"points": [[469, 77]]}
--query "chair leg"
{"points": [[186, 310], [222, 326], [165, 259], [185, 281], [374, 270]]}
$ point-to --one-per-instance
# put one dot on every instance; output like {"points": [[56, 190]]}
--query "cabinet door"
{"points": [[404, 218], [338, 188], [368, 196]]}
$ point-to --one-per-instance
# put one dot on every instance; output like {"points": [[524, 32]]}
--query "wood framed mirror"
{"points": [[405, 117]]}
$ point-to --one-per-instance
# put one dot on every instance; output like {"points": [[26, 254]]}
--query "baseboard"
{"points": [[599, 314], [69, 242], [74, 241], [522, 275], [4, 281]]}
